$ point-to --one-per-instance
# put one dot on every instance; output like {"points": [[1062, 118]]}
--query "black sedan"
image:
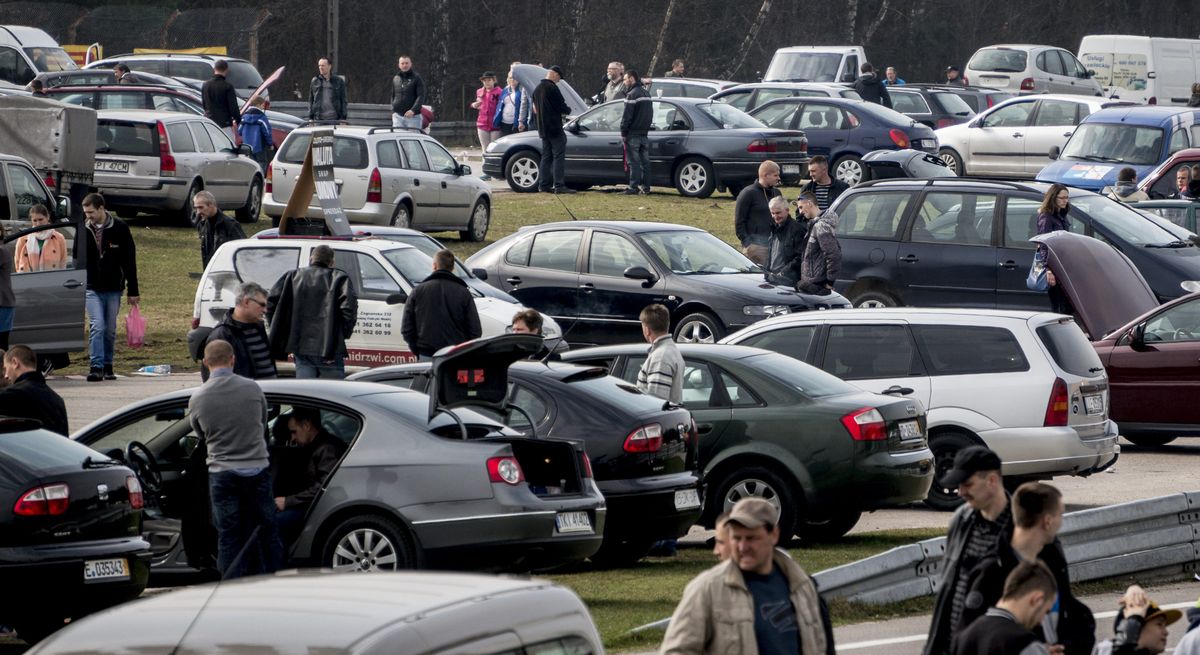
{"points": [[819, 449], [643, 454], [70, 530], [595, 277]]}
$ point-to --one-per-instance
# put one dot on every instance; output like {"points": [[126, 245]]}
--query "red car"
{"points": [[1160, 182], [1151, 351]]}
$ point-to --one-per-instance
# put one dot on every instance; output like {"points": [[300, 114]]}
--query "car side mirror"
{"points": [[398, 298], [63, 208], [480, 273], [463, 170], [641, 273], [1054, 152], [245, 149], [1137, 338], [574, 128]]}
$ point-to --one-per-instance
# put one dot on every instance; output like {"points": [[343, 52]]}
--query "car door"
{"points": [[1014, 255], [1159, 381], [454, 194], [609, 302], [423, 184], [947, 258], [670, 128], [595, 153], [25, 190], [376, 338], [50, 303], [224, 177], [392, 175], [543, 273], [703, 396], [997, 145], [876, 357], [207, 160], [1080, 81], [1052, 123], [825, 126], [868, 231]]}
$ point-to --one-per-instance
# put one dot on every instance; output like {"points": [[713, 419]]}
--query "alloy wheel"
{"points": [[364, 550], [525, 172], [751, 488], [696, 332], [850, 171], [693, 177]]}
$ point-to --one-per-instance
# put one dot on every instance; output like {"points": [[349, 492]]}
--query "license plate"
{"points": [[791, 169], [572, 522], [910, 430], [105, 166], [925, 143], [687, 499], [1094, 404], [116, 568]]}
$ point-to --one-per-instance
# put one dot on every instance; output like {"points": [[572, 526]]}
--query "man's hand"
{"points": [[1057, 649], [135, 300], [279, 502], [520, 127], [1053, 281], [408, 114]]}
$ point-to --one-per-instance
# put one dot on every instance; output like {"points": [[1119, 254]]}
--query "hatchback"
{"points": [[978, 98], [748, 97], [934, 107], [1022, 68]]}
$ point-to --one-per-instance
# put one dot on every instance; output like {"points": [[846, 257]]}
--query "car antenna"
{"points": [[562, 339], [569, 212]]}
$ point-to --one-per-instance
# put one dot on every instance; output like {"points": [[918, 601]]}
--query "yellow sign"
{"points": [[79, 53], [208, 50]]}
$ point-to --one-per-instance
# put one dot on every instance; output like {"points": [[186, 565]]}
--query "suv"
{"points": [[387, 176], [1031, 69], [978, 98], [1026, 384], [157, 160], [244, 77]]}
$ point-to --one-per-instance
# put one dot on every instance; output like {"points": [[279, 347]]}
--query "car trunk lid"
{"points": [[529, 76], [1079, 394], [127, 154]]}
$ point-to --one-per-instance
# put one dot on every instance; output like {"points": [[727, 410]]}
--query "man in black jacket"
{"points": [[752, 216], [320, 454], [1007, 628], [111, 265], [408, 94], [870, 88], [785, 250], [242, 327], [440, 312], [28, 396], [213, 227], [326, 94], [635, 130], [312, 311], [550, 107], [221, 101], [824, 186]]}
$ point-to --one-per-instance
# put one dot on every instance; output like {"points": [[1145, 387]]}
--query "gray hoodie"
{"points": [[822, 254]]}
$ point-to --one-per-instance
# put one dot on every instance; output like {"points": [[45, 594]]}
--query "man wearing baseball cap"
{"points": [[1141, 626], [953, 76], [974, 532], [766, 603]]}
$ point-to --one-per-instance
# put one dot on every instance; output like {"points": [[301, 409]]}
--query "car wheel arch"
{"points": [[692, 307], [958, 419], [405, 198], [355, 510], [762, 455], [869, 284]]}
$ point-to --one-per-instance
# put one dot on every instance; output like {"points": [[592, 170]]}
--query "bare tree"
{"points": [[435, 81], [883, 8], [747, 42], [851, 19], [662, 36], [575, 11]]}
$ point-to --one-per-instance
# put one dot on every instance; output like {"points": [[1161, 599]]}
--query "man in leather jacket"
{"points": [[785, 249], [312, 311]]}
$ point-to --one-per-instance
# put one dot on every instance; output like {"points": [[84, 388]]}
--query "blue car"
{"points": [[844, 130], [1140, 137]]}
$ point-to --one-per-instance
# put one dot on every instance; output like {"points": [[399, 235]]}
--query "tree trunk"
{"points": [[435, 81], [883, 7], [576, 10], [662, 36], [851, 19], [751, 35]]}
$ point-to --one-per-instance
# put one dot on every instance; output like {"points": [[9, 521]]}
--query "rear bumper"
{"points": [[649, 513], [371, 213], [53, 575], [163, 193], [1052, 451], [876, 481], [510, 540], [792, 170]]}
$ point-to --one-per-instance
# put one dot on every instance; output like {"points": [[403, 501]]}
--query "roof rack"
{"points": [[375, 130]]}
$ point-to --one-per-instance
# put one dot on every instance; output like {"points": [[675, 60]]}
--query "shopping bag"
{"points": [[1036, 280], [135, 327]]}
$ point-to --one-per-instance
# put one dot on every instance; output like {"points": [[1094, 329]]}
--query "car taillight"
{"points": [[268, 183], [47, 500], [804, 145], [646, 439], [991, 101], [1027, 84], [166, 162], [505, 469], [761, 145], [898, 137], [195, 322], [135, 492], [587, 466], [944, 122], [865, 424], [375, 187], [1056, 409]]}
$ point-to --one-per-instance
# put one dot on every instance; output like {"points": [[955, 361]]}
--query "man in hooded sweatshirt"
{"points": [[255, 130], [870, 88], [440, 311], [1125, 190]]}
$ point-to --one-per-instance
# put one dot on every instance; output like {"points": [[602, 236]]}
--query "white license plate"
{"points": [[791, 169], [572, 522], [104, 166], [1094, 404], [116, 568], [687, 499], [910, 430]]}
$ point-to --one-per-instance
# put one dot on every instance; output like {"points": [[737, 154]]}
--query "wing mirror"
{"points": [[463, 170], [63, 208], [245, 149], [641, 273], [1137, 338], [480, 273], [1054, 152], [398, 298]]}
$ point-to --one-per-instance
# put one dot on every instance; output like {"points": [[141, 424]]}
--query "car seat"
{"points": [[832, 120]]}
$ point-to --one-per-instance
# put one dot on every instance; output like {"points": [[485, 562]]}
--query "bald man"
{"points": [[752, 214]]}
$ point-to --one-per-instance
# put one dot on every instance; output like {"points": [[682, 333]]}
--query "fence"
{"points": [[448, 132]]}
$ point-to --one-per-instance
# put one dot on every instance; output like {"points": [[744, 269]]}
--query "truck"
{"points": [[815, 63], [27, 51], [57, 139]]}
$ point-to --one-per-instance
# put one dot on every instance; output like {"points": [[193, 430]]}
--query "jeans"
{"points": [[414, 121], [554, 160], [317, 367], [102, 307], [290, 523], [637, 152], [240, 504]]}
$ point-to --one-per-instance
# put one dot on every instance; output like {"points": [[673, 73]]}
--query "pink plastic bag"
{"points": [[135, 328]]}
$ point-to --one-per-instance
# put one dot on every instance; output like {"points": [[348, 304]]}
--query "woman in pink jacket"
{"points": [[486, 100], [41, 251]]}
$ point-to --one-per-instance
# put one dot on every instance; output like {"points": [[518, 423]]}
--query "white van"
{"points": [[1143, 69], [27, 51], [815, 63]]}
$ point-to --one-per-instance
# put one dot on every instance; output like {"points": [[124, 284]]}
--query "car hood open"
{"points": [[529, 76], [1105, 287]]}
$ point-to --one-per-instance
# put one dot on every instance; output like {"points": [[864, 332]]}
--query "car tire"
{"points": [[850, 169], [699, 327], [249, 212], [481, 218], [522, 172], [368, 544], [402, 217], [734, 189], [875, 299], [830, 529], [760, 482], [185, 212], [695, 178], [1149, 441], [32, 630], [617, 553], [952, 161], [945, 445]]}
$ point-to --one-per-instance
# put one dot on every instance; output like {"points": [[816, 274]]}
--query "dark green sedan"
{"points": [[821, 450]]}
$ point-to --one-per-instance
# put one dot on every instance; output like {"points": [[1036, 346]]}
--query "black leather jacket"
{"points": [[788, 239], [215, 231], [338, 86], [311, 311]]}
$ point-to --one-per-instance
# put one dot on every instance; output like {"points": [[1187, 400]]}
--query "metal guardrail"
{"points": [[381, 116]]}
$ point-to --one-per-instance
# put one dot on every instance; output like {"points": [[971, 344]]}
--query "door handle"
{"points": [[443, 185], [704, 428], [416, 182], [514, 280], [1009, 265], [72, 284], [614, 143], [1017, 135], [1067, 134], [587, 287], [910, 259]]}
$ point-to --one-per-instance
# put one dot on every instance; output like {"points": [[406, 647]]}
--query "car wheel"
{"points": [[849, 169], [368, 544], [700, 327], [831, 529], [759, 482], [616, 554], [522, 172], [481, 218], [1149, 440], [875, 300], [402, 217], [695, 178], [952, 161], [185, 212], [33, 630], [945, 445], [248, 213]]}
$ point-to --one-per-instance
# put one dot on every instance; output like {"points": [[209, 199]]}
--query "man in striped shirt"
{"points": [[826, 187], [662, 372], [243, 328]]}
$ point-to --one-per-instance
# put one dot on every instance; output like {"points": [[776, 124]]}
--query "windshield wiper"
{"points": [[1094, 158], [1178, 243]]}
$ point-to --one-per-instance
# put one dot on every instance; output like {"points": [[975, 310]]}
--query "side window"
{"points": [[369, 278], [663, 89], [1054, 64], [908, 103], [1020, 222], [873, 215], [219, 138], [1179, 140], [27, 191], [968, 349], [1179, 323], [962, 218], [342, 427], [440, 161], [668, 117], [1041, 62], [5, 211], [611, 254], [1167, 184], [763, 96], [819, 116], [45, 248], [532, 403], [737, 393], [778, 116], [741, 99], [414, 155], [603, 119], [863, 352], [152, 430], [794, 342], [1014, 115], [265, 265], [555, 250], [13, 67], [518, 254], [181, 138], [1073, 66], [156, 68], [563, 646], [389, 154], [162, 102], [700, 382], [204, 142], [850, 70], [83, 99], [1056, 113]]}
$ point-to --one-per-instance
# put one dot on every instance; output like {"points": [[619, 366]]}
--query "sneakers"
{"points": [[631, 191], [108, 373], [95, 375]]}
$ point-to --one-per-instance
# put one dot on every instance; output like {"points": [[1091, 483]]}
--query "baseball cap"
{"points": [[487, 74], [754, 512], [1154, 611], [952, 68], [968, 462], [557, 69]]}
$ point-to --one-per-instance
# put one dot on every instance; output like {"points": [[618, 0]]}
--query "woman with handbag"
{"points": [[1052, 217]]}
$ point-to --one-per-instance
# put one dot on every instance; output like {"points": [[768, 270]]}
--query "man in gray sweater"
{"points": [[239, 480]]}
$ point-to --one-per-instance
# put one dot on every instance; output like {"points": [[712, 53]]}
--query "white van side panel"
{"points": [[1137, 68]]}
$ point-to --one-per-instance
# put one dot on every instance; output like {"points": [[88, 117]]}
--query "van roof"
{"points": [[25, 36], [1145, 115], [819, 48]]}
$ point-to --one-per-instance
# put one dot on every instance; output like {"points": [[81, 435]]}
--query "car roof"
{"points": [[14, 158], [145, 115], [789, 85], [362, 130], [939, 86], [30, 37], [711, 350], [965, 183], [145, 56], [367, 229], [1145, 115], [697, 80], [934, 314], [367, 242], [1091, 101], [1020, 46], [75, 88], [631, 226]]}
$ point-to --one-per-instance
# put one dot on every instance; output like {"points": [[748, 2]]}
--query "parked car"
{"points": [[933, 107], [1151, 352], [103, 77], [966, 243], [978, 98], [155, 161], [1160, 183], [388, 176], [596, 276], [685, 87], [382, 272], [70, 530], [845, 130], [405, 613], [644, 455], [997, 378], [242, 74], [51, 302], [820, 450], [1106, 141], [515, 501], [1022, 68], [748, 97], [884, 164], [1142, 69], [21, 188], [26, 51], [1179, 212], [1014, 138]]}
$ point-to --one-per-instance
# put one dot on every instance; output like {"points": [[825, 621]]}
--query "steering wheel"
{"points": [[1182, 334], [145, 466]]}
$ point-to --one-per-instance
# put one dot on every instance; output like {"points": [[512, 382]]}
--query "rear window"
{"points": [[999, 60], [120, 138], [38, 450], [181, 138], [808, 380], [1070, 349], [347, 152], [952, 103], [616, 392], [964, 349]]}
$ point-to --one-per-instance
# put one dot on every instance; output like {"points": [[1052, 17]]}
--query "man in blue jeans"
{"points": [[111, 266], [312, 311], [635, 130], [239, 478]]}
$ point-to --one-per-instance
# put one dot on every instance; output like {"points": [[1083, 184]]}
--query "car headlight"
{"points": [[766, 310], [493, 146]]}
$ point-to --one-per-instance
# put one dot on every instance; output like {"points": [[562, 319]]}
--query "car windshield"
{"points": [[51, 60], [415, 265], [808, 380], [691, 252], [1115, 143], [999, 60], [243, 75], [728, 116], [1124, 222], [428, 246], [804, 67]]}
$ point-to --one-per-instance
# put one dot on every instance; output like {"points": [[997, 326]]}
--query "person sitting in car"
{"points": [[323, 451]]}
